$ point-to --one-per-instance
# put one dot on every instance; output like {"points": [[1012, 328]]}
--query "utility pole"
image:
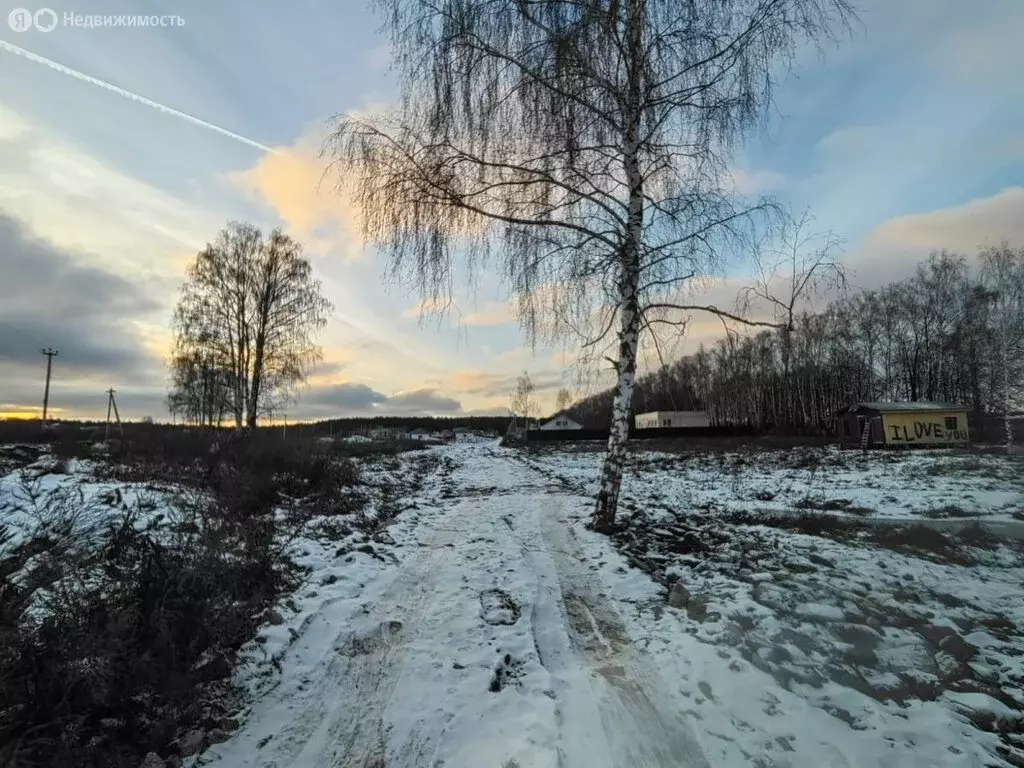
{"points": [[112, 404], [50, 354]]}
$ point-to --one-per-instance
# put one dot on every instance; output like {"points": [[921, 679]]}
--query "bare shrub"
{"points": [[103, 654]]}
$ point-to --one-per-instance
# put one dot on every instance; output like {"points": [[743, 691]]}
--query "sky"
{"points": [[123, 151]]}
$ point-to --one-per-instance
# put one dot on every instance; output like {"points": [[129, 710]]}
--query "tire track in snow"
{"points": [[332, 714], [642, 724], [404, 683]]}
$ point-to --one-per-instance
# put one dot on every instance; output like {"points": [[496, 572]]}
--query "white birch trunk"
{"points": [[629, 280], [622, 406]]}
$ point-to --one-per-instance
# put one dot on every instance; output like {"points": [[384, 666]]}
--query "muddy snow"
{"points": [[488, 643], [498, 631], [887, 486], [747, 615]]}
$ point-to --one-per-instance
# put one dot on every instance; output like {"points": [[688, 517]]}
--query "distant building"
{"points": [[877, 425], [386, 433], [559, 421], [665, 419]]}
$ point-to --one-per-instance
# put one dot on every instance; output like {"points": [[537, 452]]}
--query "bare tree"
{"points": [[1002, 274], [201, 388], [788, 279], [953, 332], [522, 398], [249, 308], [583, 142], [563, 399]]}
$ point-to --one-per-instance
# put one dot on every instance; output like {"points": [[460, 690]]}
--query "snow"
{"points": [[487, 626], [850, 628], [465, 652], [980, 702], [745, 715], [39, 498], [820, 611], [874, 486], [505, 633]]}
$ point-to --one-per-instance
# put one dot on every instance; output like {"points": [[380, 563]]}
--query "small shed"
{"points": [[663, 419], [886, 425], [560, 421]]}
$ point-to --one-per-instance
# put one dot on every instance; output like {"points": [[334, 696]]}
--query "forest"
{"points": [[952, 332]]}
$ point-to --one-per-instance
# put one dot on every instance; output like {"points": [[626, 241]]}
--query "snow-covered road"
{"points": [[492, 643]]}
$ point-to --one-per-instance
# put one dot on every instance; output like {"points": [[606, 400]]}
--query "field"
{"points": [[133, 576], [871, 585], [362, 604]]}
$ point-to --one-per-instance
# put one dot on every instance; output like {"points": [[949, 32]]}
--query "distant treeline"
{"points": [[19, 429], [953, 332], [432, 423]]}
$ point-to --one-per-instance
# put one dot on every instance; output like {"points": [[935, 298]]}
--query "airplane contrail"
{"points": [[18, 51]]}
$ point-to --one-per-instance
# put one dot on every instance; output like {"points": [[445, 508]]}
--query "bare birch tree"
{"points": [[251, 308], [201, 386], [522, 398], [788, 279], [563, 399], [1002, 274], [952, 332], [584, 144]]}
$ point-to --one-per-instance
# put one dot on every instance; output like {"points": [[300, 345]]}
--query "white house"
{"points": [[660, 419], [560, 421]]}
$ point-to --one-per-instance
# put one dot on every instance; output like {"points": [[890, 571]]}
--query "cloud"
{"points": [[75, 399], [492, 411], [336, 362], [81, 204], [476, 382], [979, 42], [892, 250], [425, 401], [493, 313], [345, 397], [355, 399], [960, 228], [48, 296], [90, 263], [521, 355], [425, 308], [128, 94], [292, 181], [490, 385], [756, 182]]}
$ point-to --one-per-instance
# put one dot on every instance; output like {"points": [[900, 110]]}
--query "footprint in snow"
{"points": [[498, 607], [507, 673]]}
